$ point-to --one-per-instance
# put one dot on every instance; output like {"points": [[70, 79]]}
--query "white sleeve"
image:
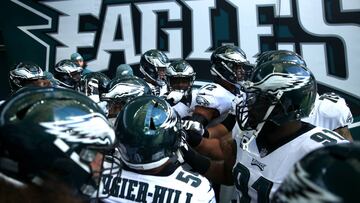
{"points": [[216, 97], [330, 111], [337, 114], [182, 109]]}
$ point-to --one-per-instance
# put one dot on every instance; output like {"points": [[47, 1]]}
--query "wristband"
{"points": [[206, 134], [229, 122], [199, 163], [201, 119], [194, 139]]}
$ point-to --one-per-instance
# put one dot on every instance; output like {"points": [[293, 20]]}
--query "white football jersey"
{"points": [[330, 111], [180, 186], [215, 96], [184, 110], [257, 177]]}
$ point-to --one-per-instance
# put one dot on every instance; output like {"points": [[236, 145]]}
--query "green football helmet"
{"points": [[121, 90], [94, 83], [68, 74], [153, 64], [24, 74], [328, 174], [279, 92], [280, 55], [148, 131], [57, 131], [124, 70], [180, 76], [229, 63]]}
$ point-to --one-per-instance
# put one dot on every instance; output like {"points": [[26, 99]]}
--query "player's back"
{"points": [[174, 184]]}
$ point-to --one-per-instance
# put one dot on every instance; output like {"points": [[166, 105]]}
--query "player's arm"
{"points": [[221, 171], [204, 115], [216, 171], [223, 128], [345, 132], [198, 138]]}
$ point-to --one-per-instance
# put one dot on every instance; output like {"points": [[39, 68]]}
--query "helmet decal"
{"points": [[155, 61], [303, 190], [125, 90], [89, 129], [24, 73], [200, 100], [170, 121], [148, 132], [276, 82], [231, 55]]}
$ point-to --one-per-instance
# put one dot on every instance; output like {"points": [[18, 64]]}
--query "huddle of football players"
{"points": [[256, 133]]}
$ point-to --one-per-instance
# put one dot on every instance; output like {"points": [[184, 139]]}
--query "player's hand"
{"points": [[175, 96], [194, 131]]}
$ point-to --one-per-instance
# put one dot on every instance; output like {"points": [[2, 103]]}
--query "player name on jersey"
{"points": [[126, 189]]}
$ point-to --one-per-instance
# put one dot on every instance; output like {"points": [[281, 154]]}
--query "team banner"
{"points": [[111, 32]]}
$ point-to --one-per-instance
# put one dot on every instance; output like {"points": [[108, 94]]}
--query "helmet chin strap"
{"points": [[245, 141]]}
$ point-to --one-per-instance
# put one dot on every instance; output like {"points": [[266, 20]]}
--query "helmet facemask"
{"points": [[153, 75], [27, 74], [93, 85], [68, 74], [233, 72], [72, 79], [153, 64], [180, 76], [181, 84], [256, 109], [230, 64], [115, 106]]}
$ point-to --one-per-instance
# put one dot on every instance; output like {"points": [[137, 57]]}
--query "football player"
{"points": [[279, 94], [330, 110], [25, 74], [153, 65], [68, 74], [216, 100], [149, 134], [315, 178], [180, 77], [52, 141], [122, 90]]}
